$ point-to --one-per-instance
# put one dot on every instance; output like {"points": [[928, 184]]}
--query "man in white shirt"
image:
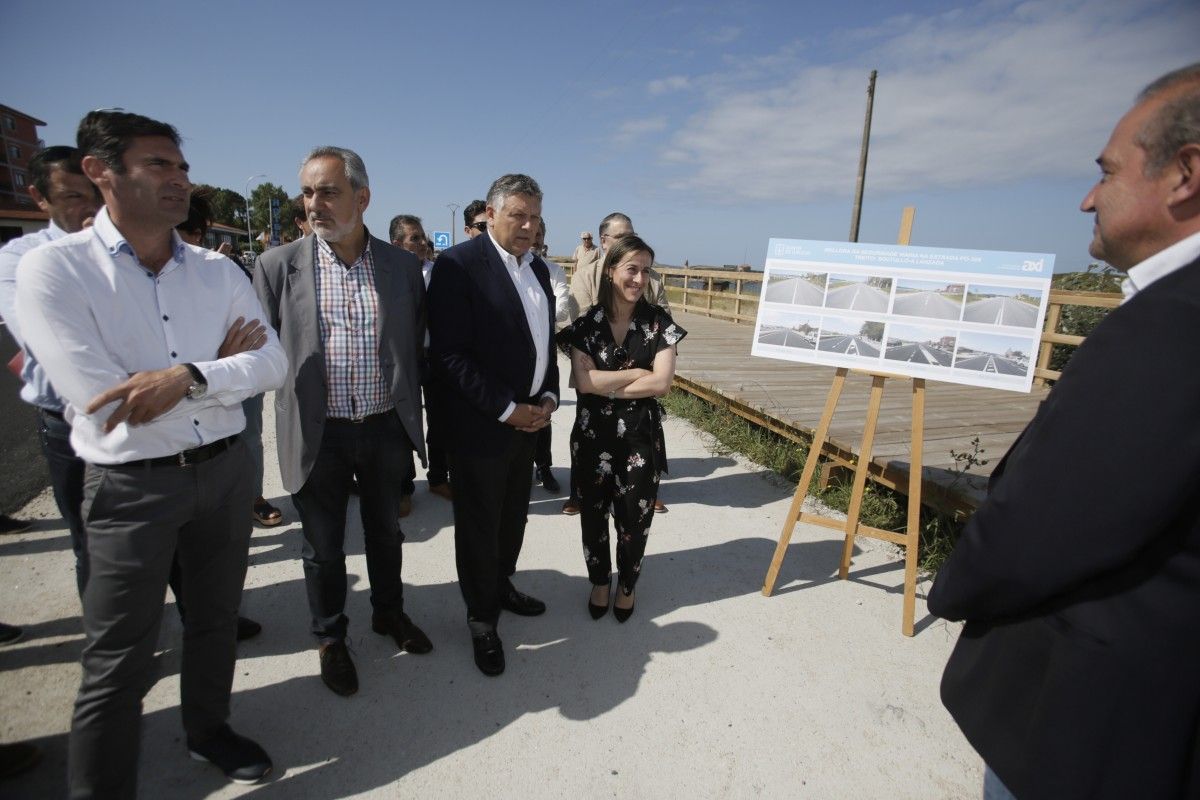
{"points": [[61, 190], [1079, 576], [153, 344], [542, 458]]}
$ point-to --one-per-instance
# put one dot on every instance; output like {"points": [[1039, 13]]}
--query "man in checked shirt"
{"points": [[350, 312]]}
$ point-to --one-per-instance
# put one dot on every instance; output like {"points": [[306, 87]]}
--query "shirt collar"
{"points": [[328, 251], [1160, 265], [512, 262], [54, 232], [115, 242]]}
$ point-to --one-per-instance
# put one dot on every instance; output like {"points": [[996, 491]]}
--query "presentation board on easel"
{"points": [[894, 311], [961, 316]]}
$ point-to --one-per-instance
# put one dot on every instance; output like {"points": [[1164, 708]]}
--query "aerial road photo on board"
{"points": [[802, 289], [1002, 305], [851, 337], [858, 292], [931, 299], [914, 345], [991, 352], [789, 330]]}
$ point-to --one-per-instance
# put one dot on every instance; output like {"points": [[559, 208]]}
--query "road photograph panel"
{"points": [[851, 337], [859, 292], [1002, 305], [994, 353], [912, 344], [796, 288], [786, 329], [930, 299]]}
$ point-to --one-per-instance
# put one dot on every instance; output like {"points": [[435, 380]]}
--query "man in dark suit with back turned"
{"points": [[491, 315], [1079, 577], [350, 311]]}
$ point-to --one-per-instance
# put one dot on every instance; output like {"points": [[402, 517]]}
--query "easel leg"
{"points": [[860, 473], [806, 476], [914, 506]]}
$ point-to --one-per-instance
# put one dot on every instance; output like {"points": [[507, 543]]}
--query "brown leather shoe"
{"points": [[571, 507], [405, 505], [442, 490], [337, 670], [408, 636], [660, 507]]}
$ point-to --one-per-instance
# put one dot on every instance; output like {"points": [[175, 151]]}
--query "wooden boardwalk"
{"points": [[715, 363]]}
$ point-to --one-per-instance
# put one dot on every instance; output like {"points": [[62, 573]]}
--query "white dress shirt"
{"points": [[93, 316], [37, 389], [562, 294], [1160, 265], [535, 303]]}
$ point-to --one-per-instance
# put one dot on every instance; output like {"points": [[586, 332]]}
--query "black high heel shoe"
{"points": [[599, 611], [623, 614]]}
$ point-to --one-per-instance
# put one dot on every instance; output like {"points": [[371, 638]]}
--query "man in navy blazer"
{"points": [[491, 318], [1079, 577]]}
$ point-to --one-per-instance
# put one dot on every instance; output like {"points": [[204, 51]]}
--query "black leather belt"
{"points": [[183, 459], [361, 420]]}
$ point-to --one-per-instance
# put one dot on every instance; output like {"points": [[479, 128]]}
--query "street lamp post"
{"points": [[453, 232], [249, 233]]}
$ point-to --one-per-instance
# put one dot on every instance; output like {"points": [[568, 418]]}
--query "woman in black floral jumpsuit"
{"points": [[623, 359]]}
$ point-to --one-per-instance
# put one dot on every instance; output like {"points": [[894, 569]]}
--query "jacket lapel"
{"points": [[302, 287], [384, 279]]}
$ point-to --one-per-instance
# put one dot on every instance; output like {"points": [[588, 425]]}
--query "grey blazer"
{"points": [[286, 286]]}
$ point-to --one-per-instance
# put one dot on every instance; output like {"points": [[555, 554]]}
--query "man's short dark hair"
{"points": [[1177, 123], [200, 215], [614, 217], [46, 160], [396, 228], [473, 210], [298, 208], [108, 134]]}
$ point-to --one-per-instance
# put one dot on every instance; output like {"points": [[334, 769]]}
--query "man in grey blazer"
{"points": [[350, 312]]}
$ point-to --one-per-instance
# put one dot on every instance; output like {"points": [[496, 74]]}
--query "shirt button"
{"points": [[165, 318], [172, 354], [195, 422]]}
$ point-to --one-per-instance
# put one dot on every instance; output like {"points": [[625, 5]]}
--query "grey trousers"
{"points": [[137, 518]]}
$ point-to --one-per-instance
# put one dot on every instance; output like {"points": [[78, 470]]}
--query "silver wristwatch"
{"points": [[199, 386]]}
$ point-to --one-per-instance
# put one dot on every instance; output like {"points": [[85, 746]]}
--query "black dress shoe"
{"points": [[599, 611], [241, 759], [408, 636], [623, 614], [489, 653], [337, 670], [247, 629], [546, 477], [519, 602]]}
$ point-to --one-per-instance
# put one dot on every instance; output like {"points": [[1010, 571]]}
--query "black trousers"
{"points": [[541, 454], [491, 503], [66, 479], [138, 519], [435, 447], [378, 453]]}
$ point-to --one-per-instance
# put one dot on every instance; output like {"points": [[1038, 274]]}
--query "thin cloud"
{"points": [[674, 83], [989, 94], [634, 129]]}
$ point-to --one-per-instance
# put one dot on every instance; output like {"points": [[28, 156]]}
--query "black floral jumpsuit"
{"points": [[617, 445]]}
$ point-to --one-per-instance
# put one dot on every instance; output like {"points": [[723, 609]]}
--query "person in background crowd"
{"points": [[475, 218], [1078, 578], [542, 458], [153, 373], [623, 358], [350, 311], [408, 232], [586, 254], [491, 317]]}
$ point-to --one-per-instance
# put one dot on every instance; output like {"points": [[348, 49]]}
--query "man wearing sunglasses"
{"points": [[475, 217]]}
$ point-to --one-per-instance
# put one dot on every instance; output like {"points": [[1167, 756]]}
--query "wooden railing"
{"points": [[724, 296]]}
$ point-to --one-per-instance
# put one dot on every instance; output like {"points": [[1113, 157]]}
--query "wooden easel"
{"points": [[852, 526]]}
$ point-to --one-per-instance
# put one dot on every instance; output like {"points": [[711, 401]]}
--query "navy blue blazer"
{"points": [[481, 352]]}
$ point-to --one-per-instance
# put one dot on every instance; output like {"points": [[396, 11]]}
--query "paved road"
{"points": [[788, 338], [586, 708], [848, 345], [796, 291], [857, 296], [926, 304], [919, 354], [1001, 311], [985, 362]]}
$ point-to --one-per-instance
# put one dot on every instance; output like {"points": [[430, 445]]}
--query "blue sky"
{"points": [[715, 126]]}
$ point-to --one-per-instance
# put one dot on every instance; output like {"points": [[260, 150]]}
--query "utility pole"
{"points": [[856, 215], [453, 230]]}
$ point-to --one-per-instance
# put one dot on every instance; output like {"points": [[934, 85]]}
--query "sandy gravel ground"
{"points": [[709, 691]]}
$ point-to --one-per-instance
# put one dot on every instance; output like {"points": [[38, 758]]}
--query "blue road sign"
{"points": [[441, 240]]}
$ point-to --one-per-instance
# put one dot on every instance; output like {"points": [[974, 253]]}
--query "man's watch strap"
{"points": [[197, 375]]}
